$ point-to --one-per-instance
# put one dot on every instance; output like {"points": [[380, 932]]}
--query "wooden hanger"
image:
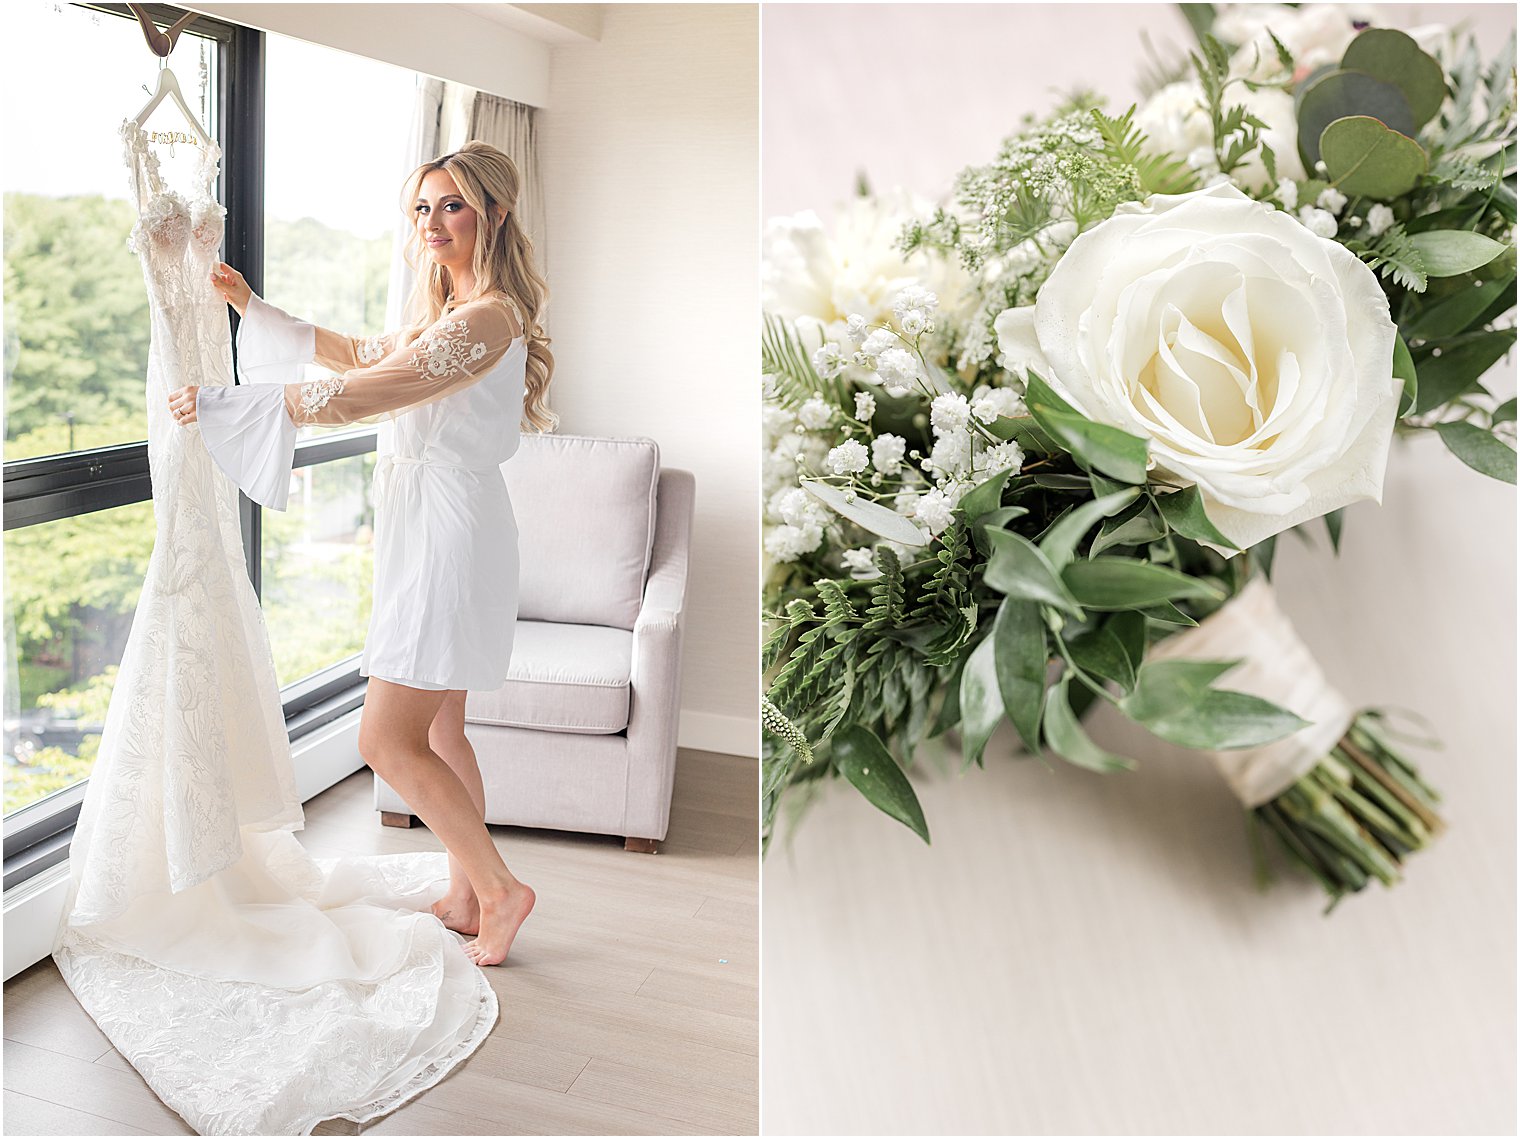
{"points": [[161, 44]]}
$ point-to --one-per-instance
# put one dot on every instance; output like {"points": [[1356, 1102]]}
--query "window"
{"points": [[78, 515]]}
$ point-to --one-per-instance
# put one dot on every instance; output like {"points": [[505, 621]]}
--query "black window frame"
{"points": [[75, 483]]}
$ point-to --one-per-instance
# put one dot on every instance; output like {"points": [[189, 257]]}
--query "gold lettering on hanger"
{"points": [[172, 137]]}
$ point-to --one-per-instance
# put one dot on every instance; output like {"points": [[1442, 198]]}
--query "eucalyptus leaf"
{"points": [[1019, 636], [1343, 93], [1132, 528], [1394, 57], [1127, 583], [1067, 739], [1184, 513], [987, 495], [1458, 369], [1403, 369], [1060, 542], [1018, 569], [1173, 699], [1168, 614], [1099, 652], [866, 514], [1364, 157], [1479, 449], [981, 703], [1452, 252], [862, 759], [1097, 446], [1455, 314]]}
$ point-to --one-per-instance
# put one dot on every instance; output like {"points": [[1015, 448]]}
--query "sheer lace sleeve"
{"points": [[340, 353], [273, 346], [451, 354]]}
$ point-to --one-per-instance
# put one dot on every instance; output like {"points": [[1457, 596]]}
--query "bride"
{"points": [[445, 589]]}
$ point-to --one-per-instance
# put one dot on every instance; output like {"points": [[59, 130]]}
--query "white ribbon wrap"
{"points": [[1276, 666]]}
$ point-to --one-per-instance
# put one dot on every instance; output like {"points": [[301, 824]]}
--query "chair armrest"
{"points": [[654, 714]]}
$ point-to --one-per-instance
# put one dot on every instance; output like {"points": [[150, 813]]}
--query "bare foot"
{"points": [[500, 919], [459, 911]]}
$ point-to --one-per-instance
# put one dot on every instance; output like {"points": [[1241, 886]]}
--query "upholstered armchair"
{"points": [[582, 736]]}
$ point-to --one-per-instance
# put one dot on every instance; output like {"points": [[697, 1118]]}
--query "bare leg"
{"points": [[458, 909], [393, 738]]}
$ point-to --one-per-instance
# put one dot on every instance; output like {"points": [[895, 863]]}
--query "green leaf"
{"points": [[1479, 449], [1343, 93], [1394, 57], [1457, 370], [1019, 636], [1505, 412], [1184, 513], [1131, 528], [1452, 252], [1067, 739], [1168, 614], [1455, 314], [1099, 652], [1333, 528], [862, 759], [1128, 583], [1023, 430], [1128, 628], [985, 496], [866, 514], [1403, 369], [993, 520], [1060, 542], [1096, 446], [981, 703], [1364, 157], [1018, 569], [1173, 699]]}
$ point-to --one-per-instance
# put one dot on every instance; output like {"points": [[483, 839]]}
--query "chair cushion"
{"points": [[585, 523], [563, 678]]}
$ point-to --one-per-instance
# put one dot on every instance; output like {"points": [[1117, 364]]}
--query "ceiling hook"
{"points": [[160, 43]]}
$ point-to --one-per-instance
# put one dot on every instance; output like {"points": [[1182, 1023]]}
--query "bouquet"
{"points": [[1031, 448]]}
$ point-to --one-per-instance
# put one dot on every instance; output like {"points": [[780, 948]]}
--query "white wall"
{"points": [[649, 147]]}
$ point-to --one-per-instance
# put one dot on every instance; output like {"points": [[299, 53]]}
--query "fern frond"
{"points": [[785, 360], [1392, 254], [1124, 142]]}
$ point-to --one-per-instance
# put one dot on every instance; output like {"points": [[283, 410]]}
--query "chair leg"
{"points": [[395, 819], [642, 845]]}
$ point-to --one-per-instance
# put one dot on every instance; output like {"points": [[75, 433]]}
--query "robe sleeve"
{"points": [[250, 429], [246, 429], [451, 354]]}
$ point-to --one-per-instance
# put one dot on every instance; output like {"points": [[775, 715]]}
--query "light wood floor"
{"points": [[629, 1005]]}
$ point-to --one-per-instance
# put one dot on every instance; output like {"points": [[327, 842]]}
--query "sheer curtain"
{"points": [[509, 127]]}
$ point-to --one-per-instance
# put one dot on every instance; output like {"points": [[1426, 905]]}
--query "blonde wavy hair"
{"points": [[503, 261]]}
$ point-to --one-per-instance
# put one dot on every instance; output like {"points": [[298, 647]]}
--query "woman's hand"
{"points": [[182, 402], [229, 282]]}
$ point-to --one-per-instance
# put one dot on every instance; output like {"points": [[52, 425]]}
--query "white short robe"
{"points": [[446, 568]]}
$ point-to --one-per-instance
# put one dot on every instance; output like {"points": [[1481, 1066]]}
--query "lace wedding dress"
{"points": [[257, 990]]}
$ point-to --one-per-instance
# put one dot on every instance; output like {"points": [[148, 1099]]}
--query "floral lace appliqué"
{"points": [[371, 349], [314, 396], [444, 350]]}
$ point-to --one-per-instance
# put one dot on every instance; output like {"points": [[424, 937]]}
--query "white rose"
{"points": [[1254, 356]]}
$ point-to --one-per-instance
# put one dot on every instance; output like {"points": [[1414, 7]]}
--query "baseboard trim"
{"points": [[729, 735], [34, 908]]}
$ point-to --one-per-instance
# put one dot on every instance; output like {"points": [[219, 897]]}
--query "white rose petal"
{"points": [[1255, 356]]}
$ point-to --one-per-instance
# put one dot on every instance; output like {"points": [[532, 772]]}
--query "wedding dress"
{"points": [[257, 990]]}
